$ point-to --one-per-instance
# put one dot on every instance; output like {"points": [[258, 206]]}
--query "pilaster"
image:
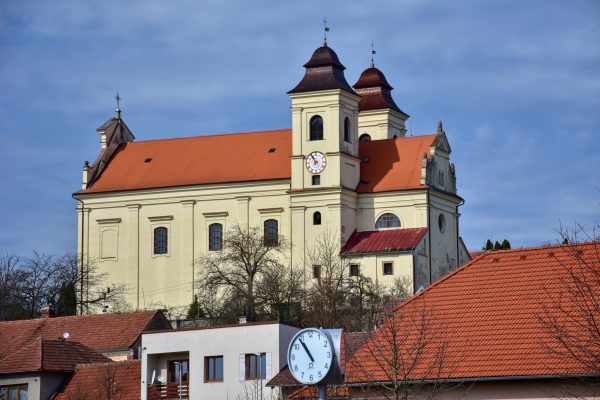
{"points": [[243, 204], [134, 251], [187, 270]]}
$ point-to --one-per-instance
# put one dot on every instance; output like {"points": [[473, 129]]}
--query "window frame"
{"points": [[254, 358], [357, 266], [210, 236], [313, 133], [169, 372], [365, 137], [18, 386], [383, 218], [211, 362], [317, 218], [270, 236], [384, 264], [347, 130], [315, 180], [156, 229], [442, 223]]}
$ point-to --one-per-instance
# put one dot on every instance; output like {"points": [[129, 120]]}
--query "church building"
{"points": [[148, 209]]}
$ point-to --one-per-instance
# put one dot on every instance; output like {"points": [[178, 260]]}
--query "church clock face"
{"points": [[310, 355], [316, 162]]}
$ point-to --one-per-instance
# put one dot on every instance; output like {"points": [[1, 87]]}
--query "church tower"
{"points": [[325, 165], [379, 116]]}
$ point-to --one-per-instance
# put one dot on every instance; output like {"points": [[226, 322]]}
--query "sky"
{"points": [[516, 84]]}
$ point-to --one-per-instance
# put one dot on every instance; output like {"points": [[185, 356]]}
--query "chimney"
{"points": [[47, 312]]}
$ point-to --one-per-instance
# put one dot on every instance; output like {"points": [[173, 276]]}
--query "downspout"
{"points": [[429, 234], [462, 202], [81, 263]]}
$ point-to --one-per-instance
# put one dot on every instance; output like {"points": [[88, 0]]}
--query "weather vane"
{"points": [[118, 99], [325, 30], [373, 52]]}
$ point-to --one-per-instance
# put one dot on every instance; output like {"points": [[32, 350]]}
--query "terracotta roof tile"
{"points": [[49, 356], [93, 381], [486, 318], [387, 240], [101, 332], [393, 164]]}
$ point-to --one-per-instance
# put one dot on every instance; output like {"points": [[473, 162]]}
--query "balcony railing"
{"points": [[168, 391]]}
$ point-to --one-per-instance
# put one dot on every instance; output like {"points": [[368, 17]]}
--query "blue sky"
{"points": [[516, 83]]}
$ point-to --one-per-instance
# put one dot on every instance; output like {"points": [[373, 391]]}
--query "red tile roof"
{"points": [[394, 164], [49, 356], [484, 319], [93, 381], [387, 240], [101, 332]]}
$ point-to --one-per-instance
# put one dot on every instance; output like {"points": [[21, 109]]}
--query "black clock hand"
{"points": [[307, 352]]}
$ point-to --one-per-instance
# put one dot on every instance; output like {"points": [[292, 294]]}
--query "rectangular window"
{"points": [[256, 366], [388, 268], [213, 369], [177, 367], [316, 271], [14, 392], [316, 180], [353, 269]]}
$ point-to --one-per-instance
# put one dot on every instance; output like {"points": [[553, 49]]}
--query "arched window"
{"points": [[215, 237], [387, 220], [442, 223], [347, 130], [365, 137], [317, 218], [161, 245], [271, 232], [316, 128]]}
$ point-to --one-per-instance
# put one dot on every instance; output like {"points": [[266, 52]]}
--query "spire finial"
{"points": [[373, 52], [325, 30], [118, 110], [440, 127]]}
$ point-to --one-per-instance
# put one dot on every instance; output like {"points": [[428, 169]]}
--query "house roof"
{"points": [[101, 332], [388, 240], [484, 320], [91, 381], [393, 164], [42, 355]]}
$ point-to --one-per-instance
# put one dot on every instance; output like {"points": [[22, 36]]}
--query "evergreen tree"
{"points": [[489, 245], [497, 246], [195, 312], [67, 300], [505, 245]]}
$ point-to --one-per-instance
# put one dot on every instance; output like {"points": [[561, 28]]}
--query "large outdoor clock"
{"points": [[311, 355], [315, 162]]}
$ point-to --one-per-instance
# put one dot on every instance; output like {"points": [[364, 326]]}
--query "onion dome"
{"points": [[324, 71], [375, 91]]}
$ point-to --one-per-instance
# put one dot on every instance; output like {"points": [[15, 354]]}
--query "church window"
{"points": [[354, 270], [442, 223], [271, 232], [316, 180], [388, 268], [365, 137], [317, 218], [161, 245], [347, 130], [215, 237], [387, 220], [316, 128]]}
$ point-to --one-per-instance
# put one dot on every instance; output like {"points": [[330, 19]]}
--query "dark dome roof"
{"points": [[375, 91], [324, 71], [372, 77], [322, 57]]}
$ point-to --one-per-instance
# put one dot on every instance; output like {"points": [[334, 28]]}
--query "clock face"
{"points": [[310, 356], [315, 162]]}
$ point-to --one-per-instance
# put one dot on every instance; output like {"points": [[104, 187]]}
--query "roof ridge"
{"points": [[96, 364], [539, 247], [212, 135]]}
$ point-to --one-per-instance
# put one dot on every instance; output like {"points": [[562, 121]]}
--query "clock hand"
{"points": [[307, 352]]}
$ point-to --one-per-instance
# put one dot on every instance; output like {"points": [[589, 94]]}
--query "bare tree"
{"points": [[11, 304], [242, 264], [572, 318], [405, 357]]}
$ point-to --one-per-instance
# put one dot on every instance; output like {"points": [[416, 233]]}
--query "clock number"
{"points": [[326, 365], [302, 374], [320, 374], [296, 367], [310, 334], [325, 344], [328, 354], [296, 346], [310, 377], [293, 357], [310, 365]]}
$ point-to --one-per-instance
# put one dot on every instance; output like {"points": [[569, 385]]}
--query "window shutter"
{"points": [[242, 367], [268, 366]]}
